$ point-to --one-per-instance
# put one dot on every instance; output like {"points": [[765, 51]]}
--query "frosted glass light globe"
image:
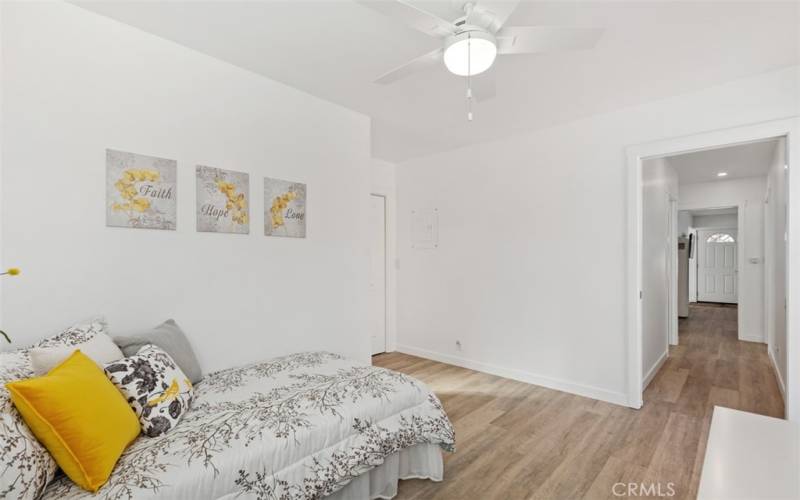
{"points": [[472, 53]]}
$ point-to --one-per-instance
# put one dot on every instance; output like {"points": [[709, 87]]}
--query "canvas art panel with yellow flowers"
{"points": [[284, 208], [223, 200], [141, 191]]}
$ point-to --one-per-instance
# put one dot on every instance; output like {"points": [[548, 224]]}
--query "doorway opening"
{"points": [[704, 217]]}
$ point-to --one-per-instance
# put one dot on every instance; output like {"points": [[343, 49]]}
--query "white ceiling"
{"points": [[744, 160], [335, 49]]}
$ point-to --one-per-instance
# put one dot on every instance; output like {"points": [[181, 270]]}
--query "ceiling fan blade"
{"points": [[492, 14], [537, 39], [484, 86], [413, 17], [421, 63]]}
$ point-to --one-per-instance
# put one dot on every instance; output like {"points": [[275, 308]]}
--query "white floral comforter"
{"points": [[296, 427]]}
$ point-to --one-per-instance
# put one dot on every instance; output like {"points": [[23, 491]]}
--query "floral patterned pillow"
{"points": [[77, 334], [26, 467], [155, 387]]}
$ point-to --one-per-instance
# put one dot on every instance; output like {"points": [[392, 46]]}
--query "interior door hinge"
{"points": [[640, 295]]}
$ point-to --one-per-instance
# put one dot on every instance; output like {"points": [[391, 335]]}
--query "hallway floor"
{"points": [[519, 441], [710, 364]]}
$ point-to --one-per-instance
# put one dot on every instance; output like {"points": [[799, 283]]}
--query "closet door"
{"points": [[377, 281]]}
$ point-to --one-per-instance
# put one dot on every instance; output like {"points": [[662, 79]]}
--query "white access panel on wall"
{"points": [[717, 266], [377, 275], [425, 229]]}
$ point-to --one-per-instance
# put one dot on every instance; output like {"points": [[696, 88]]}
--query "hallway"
{"points": [[711, 366], [520, 441]]}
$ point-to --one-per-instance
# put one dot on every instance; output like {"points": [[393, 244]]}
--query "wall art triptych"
{"points": [[141, 192]]}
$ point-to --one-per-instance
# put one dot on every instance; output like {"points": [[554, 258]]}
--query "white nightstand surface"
{"points": [[750, 456]]}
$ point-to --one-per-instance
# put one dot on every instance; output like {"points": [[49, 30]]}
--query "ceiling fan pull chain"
{"points": [[469, 77]]}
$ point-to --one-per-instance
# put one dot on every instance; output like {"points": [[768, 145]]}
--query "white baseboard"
{"points": [[651, 373], [752, 338], [774, 364], [617, 398]]}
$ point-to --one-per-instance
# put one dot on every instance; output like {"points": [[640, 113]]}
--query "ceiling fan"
{"points": [[471, 42]]}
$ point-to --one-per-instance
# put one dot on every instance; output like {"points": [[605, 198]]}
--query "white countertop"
{"points": [[750, 456]]}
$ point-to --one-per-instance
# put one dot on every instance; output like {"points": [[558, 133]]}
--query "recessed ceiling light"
{"points": [[722, 174]]}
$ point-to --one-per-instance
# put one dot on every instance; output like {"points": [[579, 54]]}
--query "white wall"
{"points": [[384, 183], [684, 222], [530, 271], [775, 259], [748, 195], [723, 220], [659, 185], [76, 83]]}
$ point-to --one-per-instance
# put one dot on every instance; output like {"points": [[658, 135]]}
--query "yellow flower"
{"points": [[236, 201], [278, 205], [128, 192], [144, 175], [172, 392], [141, 204], [12, 271]]}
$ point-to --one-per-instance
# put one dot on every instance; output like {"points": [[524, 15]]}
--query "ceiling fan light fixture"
{"points": [[470, 52]]}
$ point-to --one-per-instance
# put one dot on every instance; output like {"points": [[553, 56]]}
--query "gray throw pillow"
{"points": [[169, 337]]}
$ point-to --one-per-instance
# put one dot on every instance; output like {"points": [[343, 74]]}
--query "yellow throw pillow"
{"points": [[79, 416]]}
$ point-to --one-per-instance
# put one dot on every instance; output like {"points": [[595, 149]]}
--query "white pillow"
{"points": [[100, 349]]}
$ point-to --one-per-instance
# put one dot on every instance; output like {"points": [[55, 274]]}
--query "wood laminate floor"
{"points": [[516, 440]]}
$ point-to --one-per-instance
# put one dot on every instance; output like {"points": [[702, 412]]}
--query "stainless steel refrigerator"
{"points": [[684, 253]]}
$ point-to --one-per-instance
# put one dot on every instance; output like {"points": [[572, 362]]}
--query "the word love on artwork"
{"points": [[141, 191], [284, 208]]}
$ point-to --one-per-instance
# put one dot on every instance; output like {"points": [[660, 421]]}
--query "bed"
{"points": [[303, 426]]}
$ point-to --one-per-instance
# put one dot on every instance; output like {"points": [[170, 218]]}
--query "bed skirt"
{"points": [[422, 461]]}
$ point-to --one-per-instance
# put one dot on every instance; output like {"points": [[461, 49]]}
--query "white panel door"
{"points": [[377, 279], [717, 266]]}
